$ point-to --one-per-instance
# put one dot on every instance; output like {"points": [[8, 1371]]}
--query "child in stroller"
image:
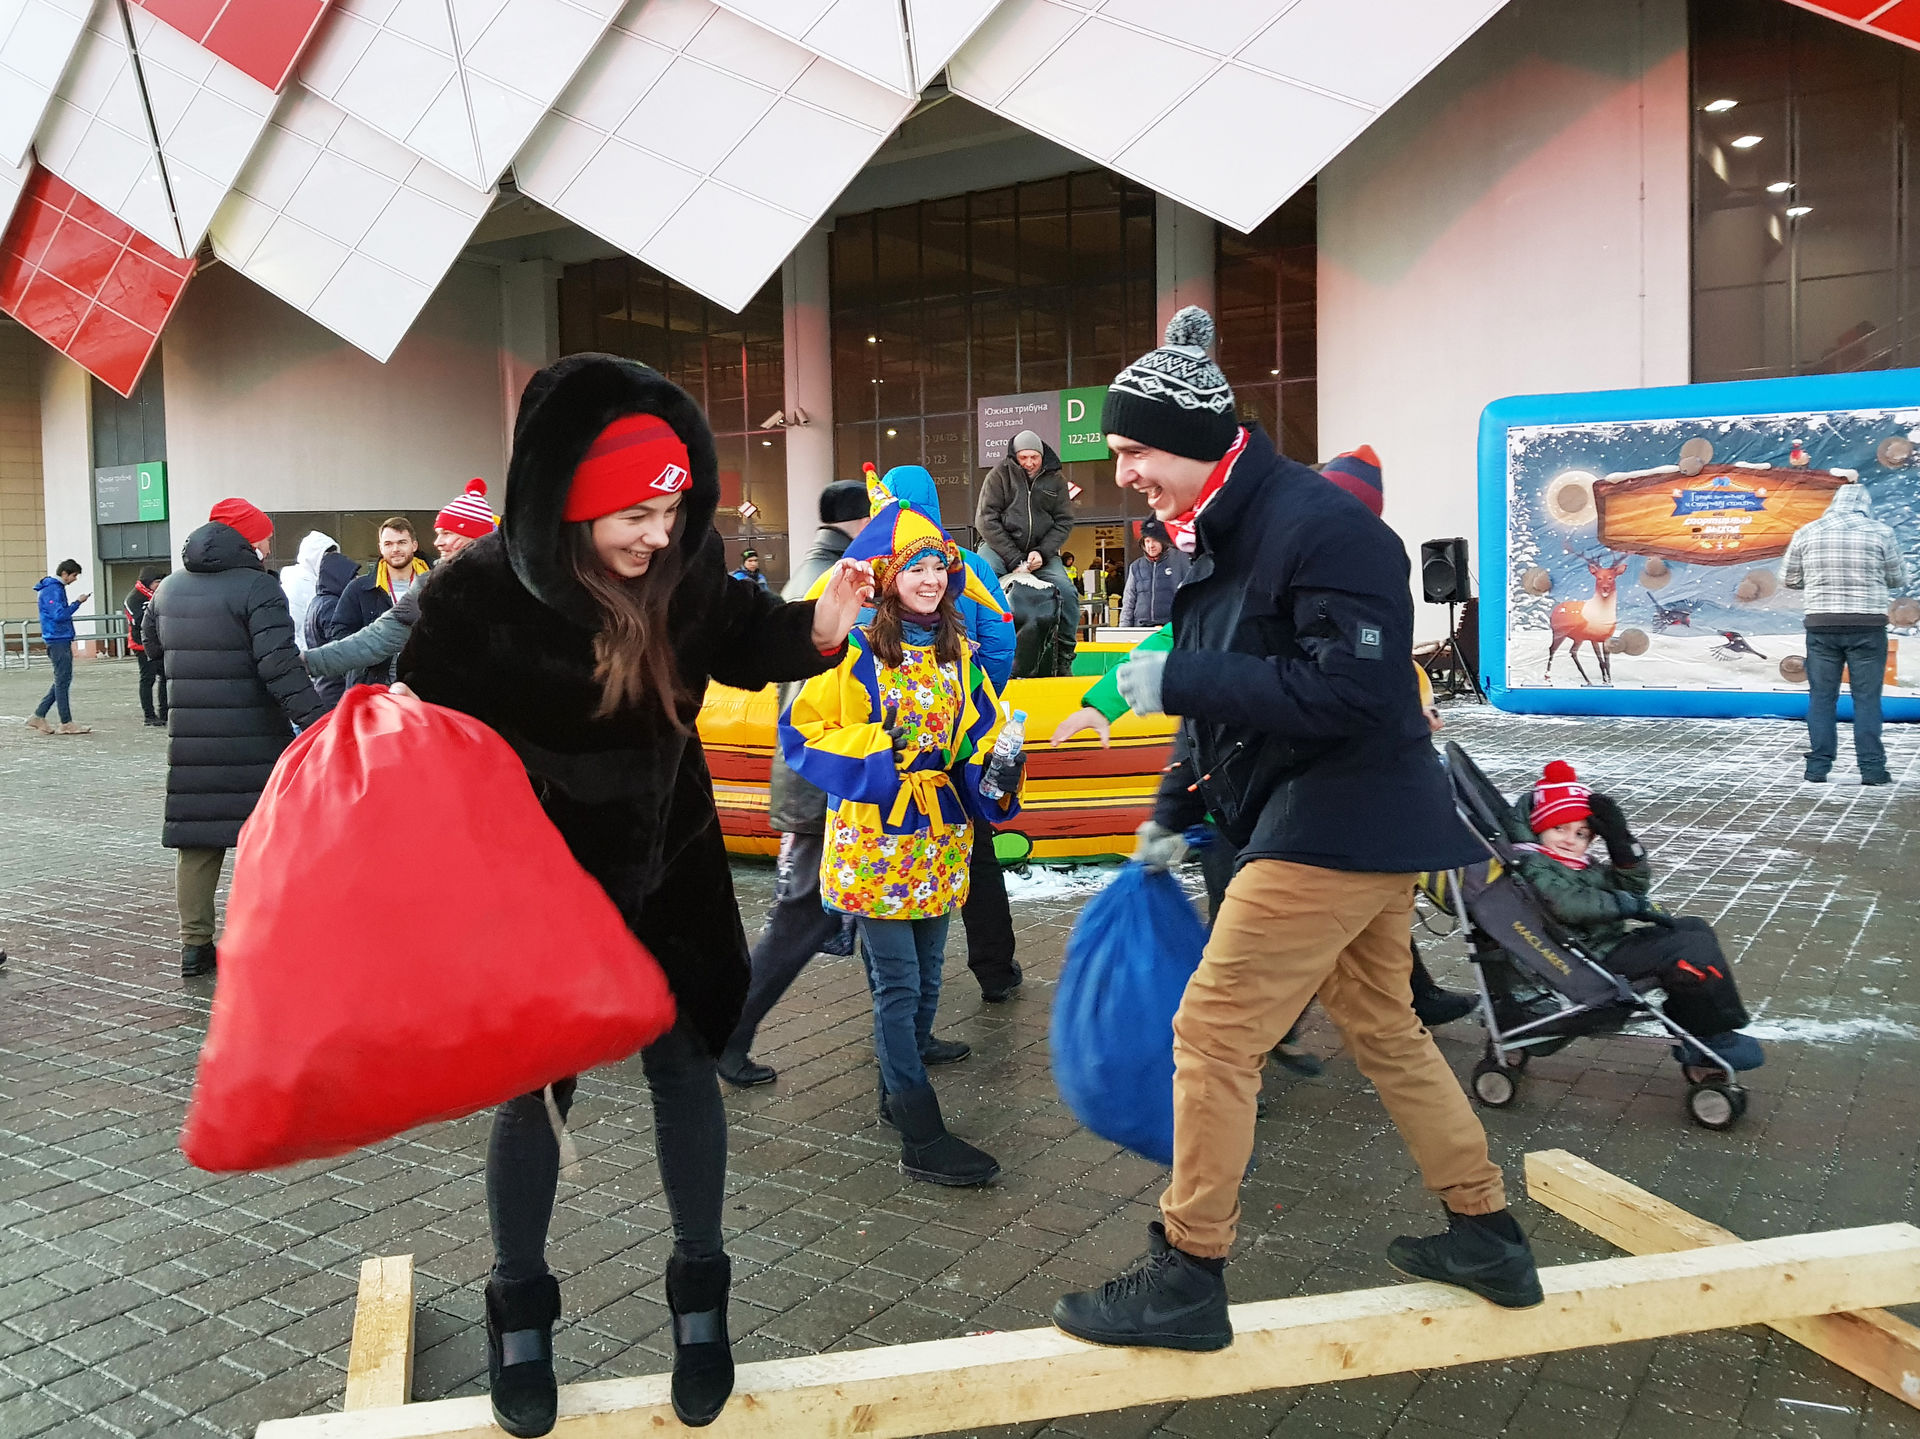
{"points": [[1607, 908]]}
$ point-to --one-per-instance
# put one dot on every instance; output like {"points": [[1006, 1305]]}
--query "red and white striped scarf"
{"points": [[1568, 861], [1180, 527]]}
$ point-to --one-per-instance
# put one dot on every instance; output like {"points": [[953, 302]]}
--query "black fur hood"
{"points": [[562, 411]]}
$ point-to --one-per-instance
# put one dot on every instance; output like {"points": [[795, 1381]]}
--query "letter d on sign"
{"points": [[1076, 410]]}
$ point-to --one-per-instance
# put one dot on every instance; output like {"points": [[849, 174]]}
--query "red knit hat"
{"points": [[468, 513], [635, 459], [1358, 473], [250, 520], [1559, 798]]}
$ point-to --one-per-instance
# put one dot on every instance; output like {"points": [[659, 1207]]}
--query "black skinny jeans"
{"points": [[153, 682], [689, 1141]]}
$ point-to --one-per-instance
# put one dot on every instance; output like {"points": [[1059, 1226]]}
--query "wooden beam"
{"points": [[1036, 1374], [1882, 1349], [380, 1363]]}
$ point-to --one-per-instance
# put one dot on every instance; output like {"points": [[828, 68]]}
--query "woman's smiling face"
{"points": [[923, 584]]}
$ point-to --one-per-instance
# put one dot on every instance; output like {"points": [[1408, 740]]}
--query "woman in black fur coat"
{"points": [[585, 632]]}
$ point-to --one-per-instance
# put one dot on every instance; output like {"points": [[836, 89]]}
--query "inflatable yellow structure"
{"points": [[1081, 802]]}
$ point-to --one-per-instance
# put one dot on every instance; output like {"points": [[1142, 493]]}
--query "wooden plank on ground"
{"points": [[380, 1363], [1036, 1374], [1881, 1348]]}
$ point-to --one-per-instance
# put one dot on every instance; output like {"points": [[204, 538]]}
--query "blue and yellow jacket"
{"points": [[898, 833]]}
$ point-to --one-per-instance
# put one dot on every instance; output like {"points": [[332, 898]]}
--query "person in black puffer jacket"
{"points": [[221, 628]]}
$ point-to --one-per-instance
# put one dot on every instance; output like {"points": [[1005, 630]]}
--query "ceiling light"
{"points": [[1719, 107], [1747, 142], [892, 433], [1796, 211], [873, 339], [1779, 187], [1273, 372], [767, 444]]}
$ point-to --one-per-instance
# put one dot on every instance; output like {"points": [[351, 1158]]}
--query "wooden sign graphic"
{"points": [[1725, 515]]}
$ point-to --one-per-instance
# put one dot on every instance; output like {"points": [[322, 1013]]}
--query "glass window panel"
{"points": [[948, 456], [766, 457], [850, 256], [897, 255], [1043, 341], [766, 378], [1099, 333], [943, 249], [852, 447], [732, 453], [609, 306], [727, 374], [1848, 173], [991, 240], [995, 346], [1260, 403], [856, 361], [576, 311], [1046, 257], [896, 443], [898, 353], [943, 356], [1740, 333], [1299, 432], [1847, 322]]}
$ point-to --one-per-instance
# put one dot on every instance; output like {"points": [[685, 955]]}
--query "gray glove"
{"points": [[1139, 678], [1158, 848]]}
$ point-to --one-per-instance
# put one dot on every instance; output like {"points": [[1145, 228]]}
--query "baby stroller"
{"points": [[1539, 989]]}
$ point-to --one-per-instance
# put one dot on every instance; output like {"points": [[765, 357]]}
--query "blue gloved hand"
{"points": [[1158, 848], [1139, 678]]}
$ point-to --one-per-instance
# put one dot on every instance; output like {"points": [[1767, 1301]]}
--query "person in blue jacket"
{"points": [[56, 633], [751, 572]]}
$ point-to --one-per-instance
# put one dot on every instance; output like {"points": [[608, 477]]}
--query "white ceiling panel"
{"points": [[939, 28], [37, 39], [13, 180], [97, 137], [343, 223], [704, 145], [864, 36], [1151, 87], [462, 83]]}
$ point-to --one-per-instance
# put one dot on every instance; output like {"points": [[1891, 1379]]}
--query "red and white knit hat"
{"points": [[1559, 798], [468, 513]]}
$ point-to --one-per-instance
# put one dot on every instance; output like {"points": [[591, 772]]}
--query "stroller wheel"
{"points": [[1493, 1086], [1715, 1104]]}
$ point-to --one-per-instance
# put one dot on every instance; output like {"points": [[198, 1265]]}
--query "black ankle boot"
{"points": [[1168, 1300], [198, 959], [1484, 1253], [927, 1151], [520, 1317], [702, 1354]]}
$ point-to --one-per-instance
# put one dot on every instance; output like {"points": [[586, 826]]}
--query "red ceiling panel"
{"points": [[87, 283], [1894, 19], [264, 38]]}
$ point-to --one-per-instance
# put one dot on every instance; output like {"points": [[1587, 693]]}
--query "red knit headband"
{"points": [[635, 459]]}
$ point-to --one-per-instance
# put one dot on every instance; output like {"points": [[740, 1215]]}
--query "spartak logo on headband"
{"points": [[670, 479]]}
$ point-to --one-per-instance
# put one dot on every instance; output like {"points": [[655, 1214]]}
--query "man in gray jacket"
{"points": [[797, 926], [1024, 517], [1848, 563]]}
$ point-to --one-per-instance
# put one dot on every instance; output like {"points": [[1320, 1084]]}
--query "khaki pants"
{"points": [[196, 877], [1285, 933]]}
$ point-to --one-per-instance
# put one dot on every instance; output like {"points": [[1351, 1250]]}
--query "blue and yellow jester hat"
{"points": [[896, 537]]}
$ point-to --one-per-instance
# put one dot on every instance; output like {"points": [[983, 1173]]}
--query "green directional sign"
{"points": [[150, 478], [1081, 437]]}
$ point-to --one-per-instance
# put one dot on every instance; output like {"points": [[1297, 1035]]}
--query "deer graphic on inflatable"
{"points": [[1579, 622]]}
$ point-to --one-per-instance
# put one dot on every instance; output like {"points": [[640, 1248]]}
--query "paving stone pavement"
{"points": [[139, 1296]]}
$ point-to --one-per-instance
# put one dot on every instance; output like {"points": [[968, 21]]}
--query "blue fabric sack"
{"points": [[1131, 953]]}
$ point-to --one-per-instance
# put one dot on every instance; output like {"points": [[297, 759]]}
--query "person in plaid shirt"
{"points": [[1848, 563]]}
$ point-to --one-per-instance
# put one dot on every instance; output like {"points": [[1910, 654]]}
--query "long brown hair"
{"points": [[884, 633], [632, 651]]}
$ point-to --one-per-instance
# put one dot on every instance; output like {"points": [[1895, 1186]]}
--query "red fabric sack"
{"points": [[327, 1033]]}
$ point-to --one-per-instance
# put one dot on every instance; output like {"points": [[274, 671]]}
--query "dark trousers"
{"points": [[1686, 959], [60, 655], [689, 1143], [796, 929], [903, 959], [987, 917], [153, 687], [1863, 653]]}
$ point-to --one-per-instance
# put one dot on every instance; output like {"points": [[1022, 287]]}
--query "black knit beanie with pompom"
{"points": [[1175, 398]]}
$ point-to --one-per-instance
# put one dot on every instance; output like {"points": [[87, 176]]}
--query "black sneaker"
{"points": [[945, 1051], [1813, 776], [1001, 988], [1167, 1300], [743, 1071], [1485, 1253], [198, 959], [1878, 777], [1437, 1006]]}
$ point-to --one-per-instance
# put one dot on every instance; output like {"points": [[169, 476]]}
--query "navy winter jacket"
{"points": [[1150, 586], [56, 610], [336, 573], [1292, 671]]}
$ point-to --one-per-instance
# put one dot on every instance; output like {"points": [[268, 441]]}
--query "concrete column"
{"points": [[1183, 260], [23, 524], [529, 329], [805, 297], [66, 467]]}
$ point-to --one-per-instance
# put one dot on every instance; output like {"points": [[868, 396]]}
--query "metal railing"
{"points": [[20, 638]]}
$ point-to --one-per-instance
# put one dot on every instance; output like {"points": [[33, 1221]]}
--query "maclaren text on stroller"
{"points": [[1540, 988]]}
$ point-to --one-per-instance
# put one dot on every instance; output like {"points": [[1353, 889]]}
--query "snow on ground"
{"points": [[1682, 659]]}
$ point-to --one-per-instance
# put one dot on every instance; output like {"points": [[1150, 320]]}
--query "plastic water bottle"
{"points": [[1003, 765]]}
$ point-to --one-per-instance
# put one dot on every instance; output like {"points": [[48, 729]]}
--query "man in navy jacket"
{"points": [[1301, 734]]}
